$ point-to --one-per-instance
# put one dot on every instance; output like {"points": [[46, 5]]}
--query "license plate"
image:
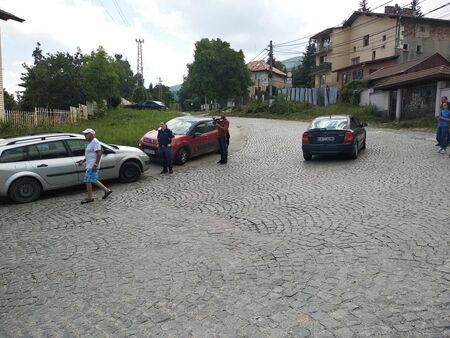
{"points": [[325, 139], [149, 151]]}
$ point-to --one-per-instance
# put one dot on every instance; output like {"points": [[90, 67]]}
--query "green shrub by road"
{"points": [[287, 110], [118, 126]]}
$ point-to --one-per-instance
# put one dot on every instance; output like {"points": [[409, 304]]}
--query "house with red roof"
{"points": [[260, 75]]}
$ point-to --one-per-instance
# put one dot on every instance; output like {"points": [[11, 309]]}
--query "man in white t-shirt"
{"points": [[92, 158]]}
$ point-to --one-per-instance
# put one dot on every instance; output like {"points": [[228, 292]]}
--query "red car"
{"points": [[193, 136]]}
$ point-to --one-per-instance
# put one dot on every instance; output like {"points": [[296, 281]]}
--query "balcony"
{"points": [[324, 48], [322, 68]]}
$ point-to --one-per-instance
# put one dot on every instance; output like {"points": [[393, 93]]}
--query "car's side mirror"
{"points": [[363, 124], [195, 134]]}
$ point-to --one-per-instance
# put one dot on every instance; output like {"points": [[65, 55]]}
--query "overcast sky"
{"points": [[169, 28]]}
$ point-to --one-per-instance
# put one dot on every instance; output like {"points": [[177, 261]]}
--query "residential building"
{"points": [[260, 75], [4, 16], [411, 89], [369, 41], [323, 76]]}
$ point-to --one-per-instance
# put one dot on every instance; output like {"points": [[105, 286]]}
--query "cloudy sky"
{"points": [[169, 28]]}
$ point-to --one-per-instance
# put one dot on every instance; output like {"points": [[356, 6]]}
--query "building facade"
{"points": [[369, 41]]}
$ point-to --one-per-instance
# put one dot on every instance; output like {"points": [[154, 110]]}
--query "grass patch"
{"points": [[287, 110], [118, 126]]}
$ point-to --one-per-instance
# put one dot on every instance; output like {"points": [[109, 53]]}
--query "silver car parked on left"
{"points": [[36, 163]]}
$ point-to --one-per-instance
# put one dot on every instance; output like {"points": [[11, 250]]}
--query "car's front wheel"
{"points": [[129, 172], [307, 156], [25, 190], [182, 156]]}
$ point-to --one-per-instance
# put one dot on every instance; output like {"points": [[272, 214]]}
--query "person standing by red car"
{"points": [[165, 137], [222, 126]]}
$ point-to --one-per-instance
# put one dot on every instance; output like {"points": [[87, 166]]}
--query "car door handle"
{"points": [[43, 165]]}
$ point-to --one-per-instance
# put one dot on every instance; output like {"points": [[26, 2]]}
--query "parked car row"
{"points": [[36, 163]]}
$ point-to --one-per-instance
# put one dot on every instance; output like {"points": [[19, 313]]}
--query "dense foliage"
{"points": [[218, 72], [61, 80]]}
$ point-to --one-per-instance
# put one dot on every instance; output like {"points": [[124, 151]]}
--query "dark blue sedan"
{"points": [[333, 135]]}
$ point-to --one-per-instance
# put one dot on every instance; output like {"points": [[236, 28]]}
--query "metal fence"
{"points": [[45, 117], [316, 96]]}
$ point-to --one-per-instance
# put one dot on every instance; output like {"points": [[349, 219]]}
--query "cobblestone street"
{"points": [[267, 246]]}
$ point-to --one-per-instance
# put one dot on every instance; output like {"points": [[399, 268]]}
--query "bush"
{"points": [[351, 92]]}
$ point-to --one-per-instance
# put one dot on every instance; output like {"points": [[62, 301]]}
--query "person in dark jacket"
{"points": [[444, 99], [165, 137]]}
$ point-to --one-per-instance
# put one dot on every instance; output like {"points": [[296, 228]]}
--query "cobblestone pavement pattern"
{"points": [[266, 246]]}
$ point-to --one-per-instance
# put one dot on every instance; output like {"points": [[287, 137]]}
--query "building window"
{"points": [[374, 55], [405, 46], [322, 59], [365, 40], [355, 60], [346, 78], [419, 49], [384, 38], [354, 48], [358, 74]]}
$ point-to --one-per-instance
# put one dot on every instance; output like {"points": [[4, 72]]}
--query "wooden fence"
{"points": [[45, 117]]}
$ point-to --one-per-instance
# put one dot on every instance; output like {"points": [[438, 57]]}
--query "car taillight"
{"points": [[348, 136], [305, 138]]}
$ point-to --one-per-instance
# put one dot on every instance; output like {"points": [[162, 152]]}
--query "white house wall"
{"points": [[379, 99]]}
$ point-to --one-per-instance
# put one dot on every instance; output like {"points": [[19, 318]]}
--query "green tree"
{"points": [[53, 81], [99, 78], [166, 95], [217, 72], [10, 102], [126, 77], [301, 76]]}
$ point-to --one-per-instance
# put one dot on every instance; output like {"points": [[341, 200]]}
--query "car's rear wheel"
{"points": [[363, 146], [25, 190], [182, 156], [307, 156], [354, 153], [129, 172]]}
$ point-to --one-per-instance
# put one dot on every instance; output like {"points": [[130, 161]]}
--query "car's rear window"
{"points": [[14, 155], [180, 127], [327, 123]]}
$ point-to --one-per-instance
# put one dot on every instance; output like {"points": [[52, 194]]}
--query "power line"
{"points": [[106, 10], [121, 14], [438, 8]]}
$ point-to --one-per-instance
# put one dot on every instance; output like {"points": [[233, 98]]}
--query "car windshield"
{"points": [[327, 123], [179, 127]]}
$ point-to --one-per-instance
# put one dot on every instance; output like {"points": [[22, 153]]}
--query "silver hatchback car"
{"points": [[36, 163]]}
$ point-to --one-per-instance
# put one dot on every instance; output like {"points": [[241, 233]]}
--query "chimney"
{"points": [[408, 12], [389, 10]]}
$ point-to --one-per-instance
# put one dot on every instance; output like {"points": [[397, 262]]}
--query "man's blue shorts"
{"points": [[90, 176]]}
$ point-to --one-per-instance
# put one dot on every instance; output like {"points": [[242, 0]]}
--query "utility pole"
{"points": [[270, 70], [140, 67], [159, 89]]}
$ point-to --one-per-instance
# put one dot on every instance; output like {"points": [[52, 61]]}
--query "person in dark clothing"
{"points": [[444, 99], [222, 128], [165, 137], [443, 129]]}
